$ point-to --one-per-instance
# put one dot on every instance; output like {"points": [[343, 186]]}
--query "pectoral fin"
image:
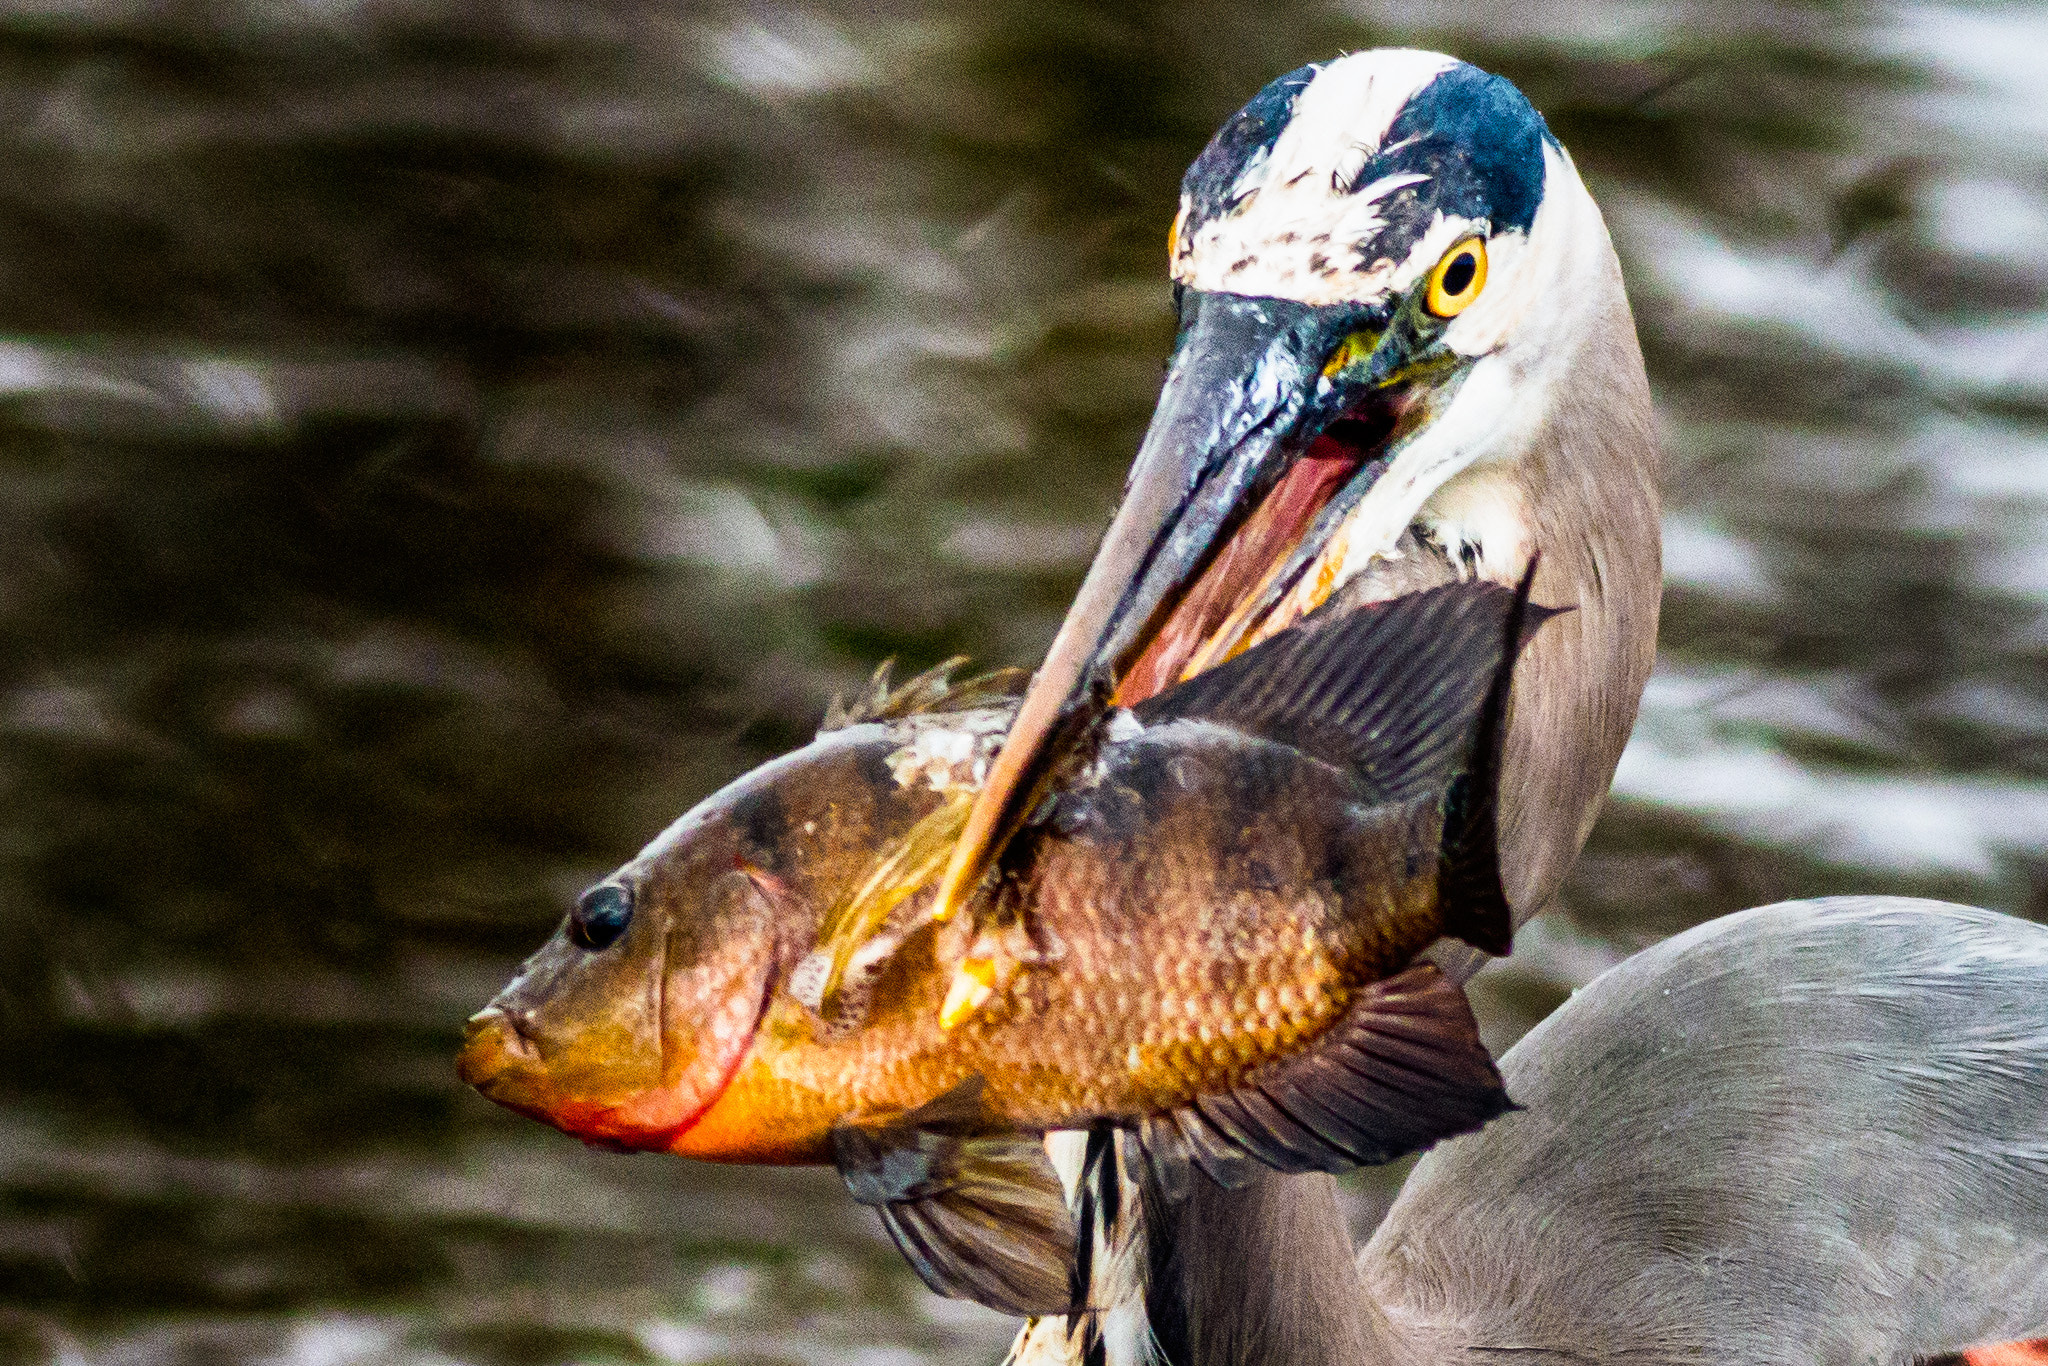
{"points": [[1402, 1070], [981, 1216]]}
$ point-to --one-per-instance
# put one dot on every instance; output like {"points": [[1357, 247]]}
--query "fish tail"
{"points": [[1475, 905]]}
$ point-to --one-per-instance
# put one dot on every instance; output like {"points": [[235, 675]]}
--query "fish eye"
{"points": [[601, 916], [1457, 279]]}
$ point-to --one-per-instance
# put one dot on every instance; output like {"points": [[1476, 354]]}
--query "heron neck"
{"points": [[1262, 1276]]}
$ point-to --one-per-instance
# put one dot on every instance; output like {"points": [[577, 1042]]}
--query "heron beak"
{"points": [[1275, 418]]}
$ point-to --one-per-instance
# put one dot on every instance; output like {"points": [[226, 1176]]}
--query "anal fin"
{"points": [[980, 1216], [1403, 1069]]}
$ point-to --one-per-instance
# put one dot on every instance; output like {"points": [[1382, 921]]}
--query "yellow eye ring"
{"points": [[1457, 279]]}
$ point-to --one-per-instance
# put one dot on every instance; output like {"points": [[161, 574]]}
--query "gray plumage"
{"points": [[1814, 1132], [1590, 476]]}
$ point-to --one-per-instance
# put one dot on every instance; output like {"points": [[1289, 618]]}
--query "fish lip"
{"points": [[515, 1050], [523, 1040]]}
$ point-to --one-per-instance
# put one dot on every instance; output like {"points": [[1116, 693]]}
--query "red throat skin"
{"points": [[653, 1121], [507, 1070]]}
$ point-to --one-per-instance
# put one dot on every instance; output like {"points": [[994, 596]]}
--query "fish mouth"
{"points": [[1275, 426], [501, 1059]]}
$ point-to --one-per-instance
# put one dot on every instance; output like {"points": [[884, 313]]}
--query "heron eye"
{"points": [[1457, 279], [601, 916]]}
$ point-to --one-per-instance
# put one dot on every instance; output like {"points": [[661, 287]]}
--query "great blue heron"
{"points": [[1815, 1132], [1405, 357]]}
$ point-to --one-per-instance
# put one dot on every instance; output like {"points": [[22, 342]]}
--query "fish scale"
{"points": [[1196, 1015]]}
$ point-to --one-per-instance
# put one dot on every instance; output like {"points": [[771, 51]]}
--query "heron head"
{"points": [[1385, 268]]}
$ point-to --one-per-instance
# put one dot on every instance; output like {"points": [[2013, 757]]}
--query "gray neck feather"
{"points": [[1260, 1276], [1590, 480]]}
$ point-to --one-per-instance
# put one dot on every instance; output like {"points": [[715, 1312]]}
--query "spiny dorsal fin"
{"points": [[979, 1215], [930, 692], [1391, 691], [1410, 695]]}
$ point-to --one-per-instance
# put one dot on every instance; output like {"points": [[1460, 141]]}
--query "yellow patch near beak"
{"points": [[1355, 349]]}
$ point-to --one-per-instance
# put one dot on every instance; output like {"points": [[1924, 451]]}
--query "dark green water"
{"points": [[439, 442]]}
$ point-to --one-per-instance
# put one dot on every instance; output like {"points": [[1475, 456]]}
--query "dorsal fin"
{"points": [[1394, 691], [930, 692], [1411, 695]]}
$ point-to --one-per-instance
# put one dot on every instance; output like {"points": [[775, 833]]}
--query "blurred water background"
{"points": [[440, 441]]}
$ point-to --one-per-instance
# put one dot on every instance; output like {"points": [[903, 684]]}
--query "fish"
{"points": [[1208, 934]]}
